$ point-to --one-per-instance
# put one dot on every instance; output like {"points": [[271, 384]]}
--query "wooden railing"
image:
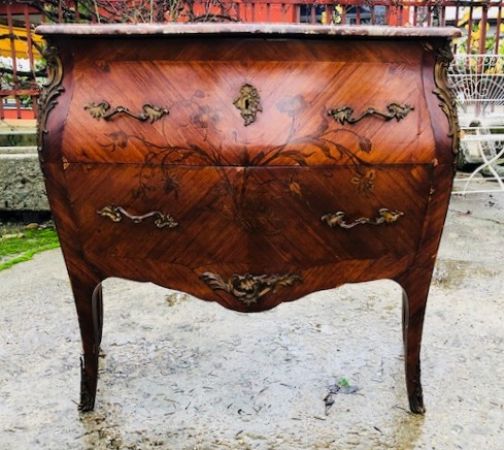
{"points": [[21, 66]]}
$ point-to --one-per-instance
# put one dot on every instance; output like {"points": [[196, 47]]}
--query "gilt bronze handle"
{"points": [[117, 213], [104, 110], [394, 111], [249, 288], [385, 216]]}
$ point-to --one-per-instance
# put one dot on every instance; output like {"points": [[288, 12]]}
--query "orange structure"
{"points": [[18, 19]]}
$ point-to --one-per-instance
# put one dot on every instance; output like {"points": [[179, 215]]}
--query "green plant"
{"points": [[477, 33], [20, 246], [343, 382]]}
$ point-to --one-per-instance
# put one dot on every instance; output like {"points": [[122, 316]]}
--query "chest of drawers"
{"points": [[247, 164]]}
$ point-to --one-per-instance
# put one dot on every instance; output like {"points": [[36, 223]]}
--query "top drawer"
{"points": [[269, 107]]}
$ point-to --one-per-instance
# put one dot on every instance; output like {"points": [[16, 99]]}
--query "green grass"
{"points": [[20, 246]]}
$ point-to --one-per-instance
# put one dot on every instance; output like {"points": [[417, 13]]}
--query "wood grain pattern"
{"points": [[205, 128], [247, 214], [246, 204]]}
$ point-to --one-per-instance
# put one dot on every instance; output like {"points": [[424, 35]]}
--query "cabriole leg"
{"points": [[415, 284], [87, 293]]}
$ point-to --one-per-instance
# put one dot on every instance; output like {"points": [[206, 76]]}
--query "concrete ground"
{"points": [[185, 374]]}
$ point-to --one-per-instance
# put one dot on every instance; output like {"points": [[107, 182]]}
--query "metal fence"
{"points": [[478, 71], [20, 49]]}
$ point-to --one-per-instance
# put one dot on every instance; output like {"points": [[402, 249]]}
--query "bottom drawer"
{"points": [[262, 217]]}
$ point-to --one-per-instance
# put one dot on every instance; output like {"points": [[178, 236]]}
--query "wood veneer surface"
{"points": [[250, 184]]}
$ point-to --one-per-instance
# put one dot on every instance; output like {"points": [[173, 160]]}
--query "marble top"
{"points": [[247, 29]]}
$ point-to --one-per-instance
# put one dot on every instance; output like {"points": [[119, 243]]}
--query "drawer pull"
{"points": [[394, 111], [385, 216], [116, 214], [104, 111], [249, 103], [249, 288]]}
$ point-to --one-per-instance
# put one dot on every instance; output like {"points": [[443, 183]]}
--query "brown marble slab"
{"points": [[246, 28]]}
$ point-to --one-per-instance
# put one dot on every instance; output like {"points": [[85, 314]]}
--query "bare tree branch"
{"points": [[134, 11]]}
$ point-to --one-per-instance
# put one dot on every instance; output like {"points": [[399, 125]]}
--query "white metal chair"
{"points": [[478, 82]]}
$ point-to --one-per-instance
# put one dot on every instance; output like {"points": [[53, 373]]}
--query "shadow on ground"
{"points": [[179, 373]]}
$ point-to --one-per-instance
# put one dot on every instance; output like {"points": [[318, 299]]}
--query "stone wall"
{"points": [[21, 182]]}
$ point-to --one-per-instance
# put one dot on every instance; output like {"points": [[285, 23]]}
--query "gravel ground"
{"points": [[179, 373]]}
